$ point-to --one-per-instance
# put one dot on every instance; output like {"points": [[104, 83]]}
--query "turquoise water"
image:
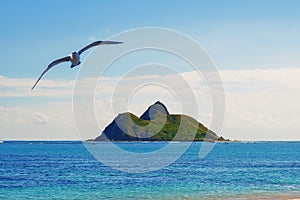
{"points": [[66, 170]]}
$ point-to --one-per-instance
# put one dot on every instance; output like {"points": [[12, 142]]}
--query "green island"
{"points": [[157, 124]]}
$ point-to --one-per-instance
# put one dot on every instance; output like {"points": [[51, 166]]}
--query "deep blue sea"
{"points": [[66, 170]]}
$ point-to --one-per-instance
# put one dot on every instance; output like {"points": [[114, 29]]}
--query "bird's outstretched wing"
{"points": [[96, 44], [55, 62]]}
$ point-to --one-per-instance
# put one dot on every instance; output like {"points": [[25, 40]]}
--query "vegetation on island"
{"points": [[156, 124]]}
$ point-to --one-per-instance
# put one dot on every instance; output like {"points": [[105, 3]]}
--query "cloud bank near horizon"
{"points": [[260, 105]]}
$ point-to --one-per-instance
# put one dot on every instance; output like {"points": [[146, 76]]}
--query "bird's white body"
{"points": [[75, 59]]}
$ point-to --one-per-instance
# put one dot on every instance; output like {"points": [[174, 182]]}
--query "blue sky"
{"points": [[254, 37], [236, 34]]}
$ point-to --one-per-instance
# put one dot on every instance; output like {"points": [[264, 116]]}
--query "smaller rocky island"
{"points": [[157, 124]]}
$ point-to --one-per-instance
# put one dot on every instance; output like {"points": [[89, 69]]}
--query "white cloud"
{"points": [[11, 87], [260, 104], [50, 121], [40, 118]]}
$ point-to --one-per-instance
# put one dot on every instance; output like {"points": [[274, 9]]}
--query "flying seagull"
{"points": [[74, 57]]}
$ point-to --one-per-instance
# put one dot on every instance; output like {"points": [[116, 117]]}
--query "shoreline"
{"points": [[263, 196]]}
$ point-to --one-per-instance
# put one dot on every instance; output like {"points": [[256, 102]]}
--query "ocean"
{"points": [[67, 170]]}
